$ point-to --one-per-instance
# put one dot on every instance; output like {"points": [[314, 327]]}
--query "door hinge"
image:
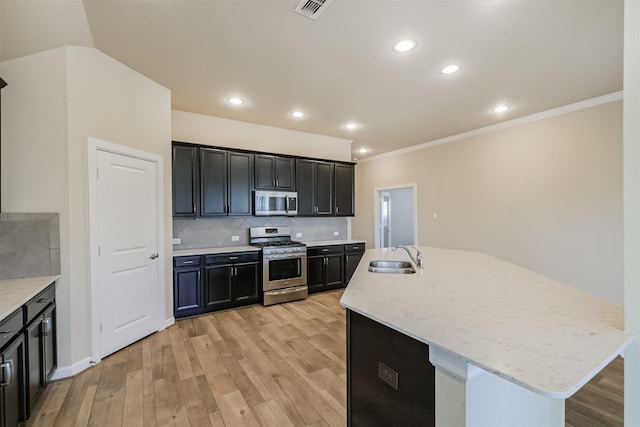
{"points": [[100, 327], [98, 249], [97, 173]]}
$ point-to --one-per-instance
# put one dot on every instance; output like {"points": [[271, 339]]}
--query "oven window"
{"points": [[283, 269]]}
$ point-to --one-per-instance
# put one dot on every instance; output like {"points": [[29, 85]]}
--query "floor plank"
{"points": [[282, 365]]}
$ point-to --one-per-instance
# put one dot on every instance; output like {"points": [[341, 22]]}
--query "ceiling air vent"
{"points": [[312, 8]]}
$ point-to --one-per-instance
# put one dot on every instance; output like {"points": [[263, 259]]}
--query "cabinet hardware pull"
{"points": [[336, 209], [43, 300], [233, 257], [188, 262], [6, 369], [46, 326], [194, 209], [325, 250], [4, 335]]}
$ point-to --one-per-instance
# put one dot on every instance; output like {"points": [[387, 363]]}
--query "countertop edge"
{"points": [[17, 292]]}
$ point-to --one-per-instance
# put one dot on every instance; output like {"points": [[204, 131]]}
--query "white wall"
{"points": [[215, 131], [546, 195], [95, 96]]}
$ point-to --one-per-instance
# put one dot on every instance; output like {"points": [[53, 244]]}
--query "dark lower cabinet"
{"points": [[27, 356], [12, 383], [325, 268], [390, 381], [206, 283], [352, 256], [187, 286]]}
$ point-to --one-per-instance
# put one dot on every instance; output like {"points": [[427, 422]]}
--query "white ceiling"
{"points": [[532, 55]]}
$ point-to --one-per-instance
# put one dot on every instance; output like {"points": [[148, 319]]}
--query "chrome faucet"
{"points": [[417, 260]]}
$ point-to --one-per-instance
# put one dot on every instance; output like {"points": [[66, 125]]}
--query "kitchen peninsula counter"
{"points": [[535, 332]]}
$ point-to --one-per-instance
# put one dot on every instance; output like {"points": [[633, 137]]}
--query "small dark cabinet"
{"points": [[325, 268], [315, 187], [12, 383], [205, 283], [187, 286], [344, 190], [185, 180], [40, 335], [274, 172], [352, 255], [225, 182], [390, 381]]}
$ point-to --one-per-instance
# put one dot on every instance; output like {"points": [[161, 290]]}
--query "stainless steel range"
{"points": [[284, 264]]}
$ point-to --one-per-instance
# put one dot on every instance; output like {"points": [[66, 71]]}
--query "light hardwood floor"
{"points": [[282, 365]]}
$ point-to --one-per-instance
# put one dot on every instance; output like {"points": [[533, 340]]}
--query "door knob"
{"points": [[154, 256]]}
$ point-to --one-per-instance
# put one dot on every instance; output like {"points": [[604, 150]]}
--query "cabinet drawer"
{"points": [[187, 261], [10, 326], [324, 250], [39, 303], [232, 258], [354, 247]]}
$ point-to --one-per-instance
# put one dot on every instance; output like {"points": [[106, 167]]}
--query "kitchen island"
{"points": [[508, 345]]}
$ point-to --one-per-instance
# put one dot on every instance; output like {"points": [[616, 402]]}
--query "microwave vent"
{"points": [[312, 8]]}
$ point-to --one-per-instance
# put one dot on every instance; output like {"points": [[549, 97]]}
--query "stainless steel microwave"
{"points": [[267, 203]]}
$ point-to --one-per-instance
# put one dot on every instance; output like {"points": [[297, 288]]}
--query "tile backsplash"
{"points": [[214, 232], [29, 245]]}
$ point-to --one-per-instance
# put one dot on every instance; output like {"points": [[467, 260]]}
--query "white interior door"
{"points": [[128, 288], [385, 218]]}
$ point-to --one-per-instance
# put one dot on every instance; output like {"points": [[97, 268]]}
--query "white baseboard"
{"points": [[168, 322], [69, 371]]}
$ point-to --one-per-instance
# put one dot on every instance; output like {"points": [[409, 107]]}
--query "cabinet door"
{"points": [[315, 274], [240, 176], [187, 291], [344, 190], [335, 271], [49, 343], [351, 261], [305, 183], [324, 188], [245, 283], [12, 392], [185, 181], [213, 182], [35, 381], [285, 173], [217, 287], [264, 169]]}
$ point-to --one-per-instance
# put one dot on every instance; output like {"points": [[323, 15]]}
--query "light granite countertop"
{"points": [[14, 293], [229, 249], [333, 242], [539, 333]]}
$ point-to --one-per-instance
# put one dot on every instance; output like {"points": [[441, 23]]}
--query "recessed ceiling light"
{"points": [[500, 109], [235, 100], [362, 150], [404, 45], [351, 126], [450, 69], [297, 114]]}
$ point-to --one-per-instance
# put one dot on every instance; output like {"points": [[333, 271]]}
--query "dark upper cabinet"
{"points": [[239, 184], [315, 187], [344, 190], [185, 179], [211, 182], [274, 172]]}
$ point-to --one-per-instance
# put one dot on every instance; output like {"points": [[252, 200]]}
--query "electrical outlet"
{"points": [[298, 234], [235, 238], [336, 233], [177, 241]]}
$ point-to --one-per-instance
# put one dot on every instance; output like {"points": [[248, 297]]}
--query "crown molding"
{"points": [[604, 99]]}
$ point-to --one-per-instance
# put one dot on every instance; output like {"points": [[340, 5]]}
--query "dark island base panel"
{"points": [[390, 381]]}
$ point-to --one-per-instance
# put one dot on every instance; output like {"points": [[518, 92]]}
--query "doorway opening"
{"points": [[396, 216]]}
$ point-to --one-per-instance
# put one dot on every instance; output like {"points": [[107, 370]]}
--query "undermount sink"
{"points": [[392, 267]]}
